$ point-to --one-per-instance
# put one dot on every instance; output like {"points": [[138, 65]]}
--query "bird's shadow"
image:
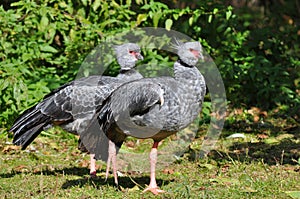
{"points": [[65, 171], [279, 146], [284, 151], [125, 182]]}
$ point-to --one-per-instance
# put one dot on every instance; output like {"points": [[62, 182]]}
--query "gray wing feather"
{"points": [[128, 103]]}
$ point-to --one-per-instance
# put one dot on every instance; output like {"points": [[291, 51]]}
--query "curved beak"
{"points": [[139, 56]]}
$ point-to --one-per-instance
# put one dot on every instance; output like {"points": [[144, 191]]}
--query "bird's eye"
{"points": [[131, 51], [195, 52]]}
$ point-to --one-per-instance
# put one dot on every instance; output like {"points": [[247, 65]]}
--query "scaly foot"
{"points": [[154, 190]]}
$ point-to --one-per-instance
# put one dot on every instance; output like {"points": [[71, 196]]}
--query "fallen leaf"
{"points": [[236, 135], [50, 168], [46, 152], [264, 113], [256, 118], [130, 144], [225, 168], [10, 148], [238, 111], [21, 168], [37, 170], [262, 136], [168, 171], [84, 163]]}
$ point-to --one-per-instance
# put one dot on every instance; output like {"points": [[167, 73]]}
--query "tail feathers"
{"points": [[26, 138], [28, 126], [24, 118]]}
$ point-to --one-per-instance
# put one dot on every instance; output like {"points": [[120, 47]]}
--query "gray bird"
{"points": [[73, 105], [154, 107]]}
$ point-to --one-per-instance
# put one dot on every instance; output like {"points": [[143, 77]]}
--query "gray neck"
{"points": [[193, 89], [191, 78], [129, 75], [186, 74]]}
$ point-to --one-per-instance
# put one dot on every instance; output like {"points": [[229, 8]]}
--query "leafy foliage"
{"points": [[42, 46], [44, 42]]}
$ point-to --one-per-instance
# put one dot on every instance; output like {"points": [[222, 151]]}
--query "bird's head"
{"points": [[189, 52], [127, 55]]}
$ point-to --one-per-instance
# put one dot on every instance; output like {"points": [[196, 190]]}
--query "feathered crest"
{"points": [[177, 44]]}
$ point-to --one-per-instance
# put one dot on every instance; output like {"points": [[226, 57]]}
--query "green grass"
{"points": [[255, 167]]}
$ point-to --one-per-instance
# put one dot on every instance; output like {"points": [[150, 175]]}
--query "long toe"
{"points": [[154, 190]]}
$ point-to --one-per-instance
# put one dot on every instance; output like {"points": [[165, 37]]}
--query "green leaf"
{"points": [[140, 18], [72, 34], [51, 33], [215, 11], [84, 2], [43, 23], [168, 24], [209, 18], [182, 12], [156, 18], [175, 16], [96, 4], [191, 19], [146, 7], [228, 14], [48, 48], [138, 2], [63, 4], [271, 140], [3, 84], [128, 2], [26, 56], [20, 3]]}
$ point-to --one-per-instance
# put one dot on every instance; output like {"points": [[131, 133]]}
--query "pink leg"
{"points": [[92, 166], [153, 159], [112, 157]]}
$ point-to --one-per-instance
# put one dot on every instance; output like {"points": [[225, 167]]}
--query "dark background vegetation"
{"points": [[254, 43]]}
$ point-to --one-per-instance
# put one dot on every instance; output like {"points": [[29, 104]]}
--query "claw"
{"points": [[93, 174]]}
